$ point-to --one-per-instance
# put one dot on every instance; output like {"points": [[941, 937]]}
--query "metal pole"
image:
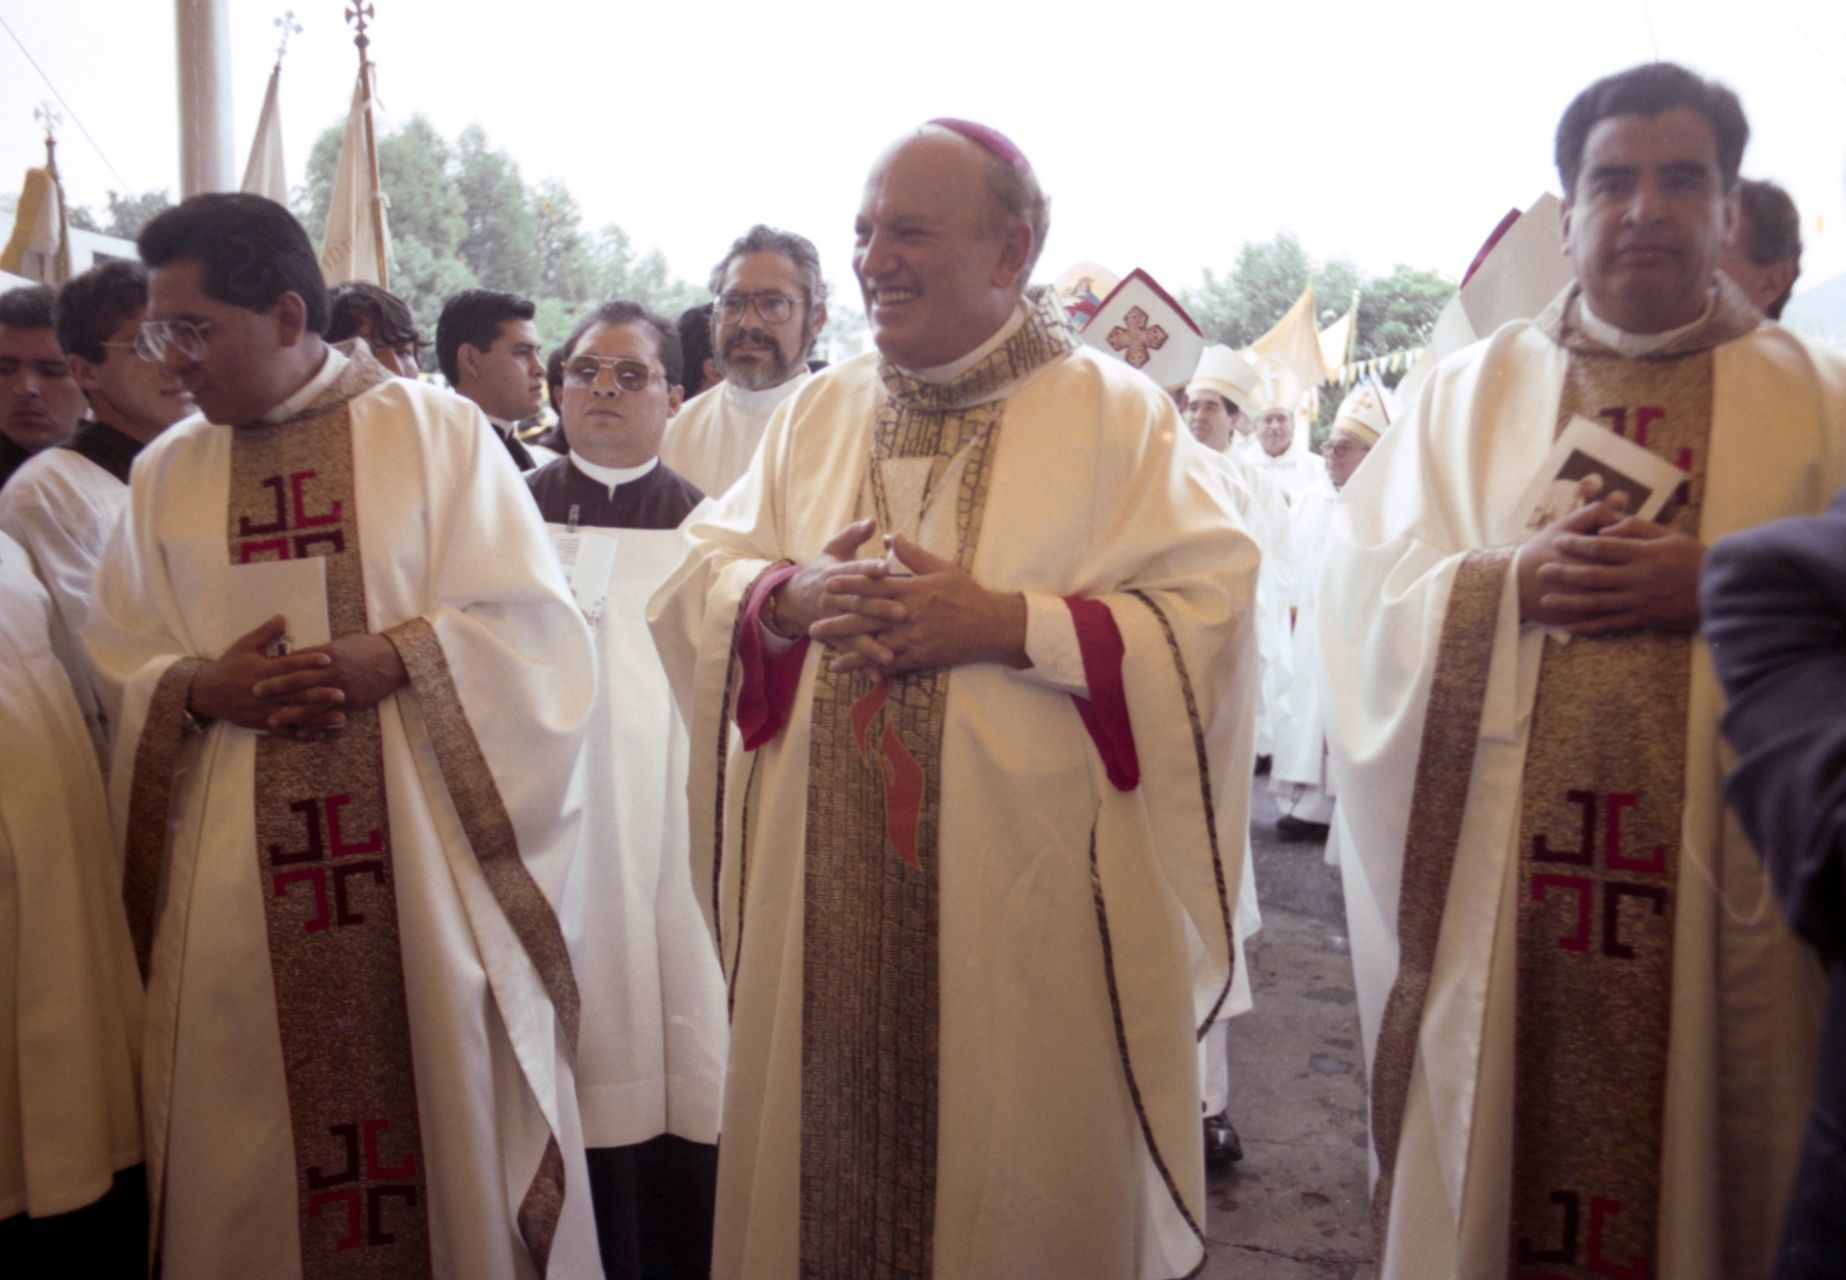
{"points": [[360, 15], [203, 40]]}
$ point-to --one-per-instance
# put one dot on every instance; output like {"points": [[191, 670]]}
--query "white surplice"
{"points": [[70, 999], [650, 1058], [1299, 775], [62, 508], [1294, 471], [450, 535], [1041, 1166], [1446, 480], [712, 439]]}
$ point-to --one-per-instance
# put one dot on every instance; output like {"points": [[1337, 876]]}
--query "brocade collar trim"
{"points": [[358, 373], [1044, 337], [1730, 316]]}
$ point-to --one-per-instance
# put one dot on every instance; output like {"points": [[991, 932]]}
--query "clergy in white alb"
{"points": [[64, 502], [979, 845], [1217, 400], [650, 1060], [1219, 386], [70, 999], [769, 304], [343, 860], [1298, 777], [1590, 1035]]}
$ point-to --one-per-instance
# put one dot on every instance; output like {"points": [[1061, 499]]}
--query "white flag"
{"points": [[351, 249], [264, 175]]}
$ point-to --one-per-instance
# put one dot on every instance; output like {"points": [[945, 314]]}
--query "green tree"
{"points": [[462, 218], [500, 243], [126, 214]]}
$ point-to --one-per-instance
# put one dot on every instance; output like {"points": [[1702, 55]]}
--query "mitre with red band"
{"points": [[1140, 323]]}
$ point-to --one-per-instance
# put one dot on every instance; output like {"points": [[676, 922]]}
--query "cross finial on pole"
{"points": [[360, 15], [287, 25], [51, 119]]}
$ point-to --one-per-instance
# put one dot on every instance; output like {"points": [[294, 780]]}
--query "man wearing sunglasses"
{"points": [[39, 400], [65, 501], [339, 750], [769, 304], [650, 1059]]}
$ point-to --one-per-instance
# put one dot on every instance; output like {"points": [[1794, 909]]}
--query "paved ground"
{"points": [[1295, 1208]]}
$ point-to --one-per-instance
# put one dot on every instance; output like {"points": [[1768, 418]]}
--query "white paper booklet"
{"points": [[296, 589], [1590, 462]]}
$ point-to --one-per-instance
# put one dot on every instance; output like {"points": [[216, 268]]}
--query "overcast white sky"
{"points": [[1167, 133]]}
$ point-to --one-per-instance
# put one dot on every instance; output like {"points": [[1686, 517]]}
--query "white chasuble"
{"points": [[475, 756], [1417, 583], [1082, 932]]}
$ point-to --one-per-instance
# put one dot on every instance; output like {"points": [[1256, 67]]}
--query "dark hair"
{"points": [[797, 249], [359, 305], [1772, 232], [554, 377], [622, 311], [252, 251], [93, 305], [27, 307], [474, 316], [695, 344], [1649, 90]]}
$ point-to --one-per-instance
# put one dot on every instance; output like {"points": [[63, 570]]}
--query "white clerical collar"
{"points": [[613, 477], [1631, 346], [955, 368], [323, 378], [760, 404]]}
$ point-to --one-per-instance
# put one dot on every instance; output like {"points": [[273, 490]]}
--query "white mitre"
{"points": [[1223, 371], [1365, 413]]}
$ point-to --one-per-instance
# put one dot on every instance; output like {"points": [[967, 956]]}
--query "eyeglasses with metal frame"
{"points": [[626, 374], [158, 338]]}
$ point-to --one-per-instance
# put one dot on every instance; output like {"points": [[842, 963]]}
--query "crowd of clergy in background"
{"points": [[621, 638]]}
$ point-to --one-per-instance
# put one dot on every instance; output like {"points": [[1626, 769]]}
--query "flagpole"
{"points": [[360, 14]]}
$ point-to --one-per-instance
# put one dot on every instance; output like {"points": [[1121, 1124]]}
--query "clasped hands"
{"points": [[874, 617], [305, 695], [1600, 570]]}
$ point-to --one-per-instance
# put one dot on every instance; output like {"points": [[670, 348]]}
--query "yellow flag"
{"points": [[38, 249]]}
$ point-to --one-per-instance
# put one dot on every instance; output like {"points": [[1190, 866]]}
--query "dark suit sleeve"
{"points": [[1775, 616]]}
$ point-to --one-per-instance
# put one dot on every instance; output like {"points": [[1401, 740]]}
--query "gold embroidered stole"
{"points": [[1599, 843], [869, 960], [329, 890]]}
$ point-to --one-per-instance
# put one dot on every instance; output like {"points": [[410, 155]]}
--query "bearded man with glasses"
{"points": [[769, 304], [349, 687]]}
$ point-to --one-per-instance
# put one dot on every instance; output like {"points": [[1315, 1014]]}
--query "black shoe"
{"points": [[1262, 765], [1222, 1146], [1289, 827]]}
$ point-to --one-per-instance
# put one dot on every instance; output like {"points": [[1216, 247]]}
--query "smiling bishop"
{"points": [[965, 656]]}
